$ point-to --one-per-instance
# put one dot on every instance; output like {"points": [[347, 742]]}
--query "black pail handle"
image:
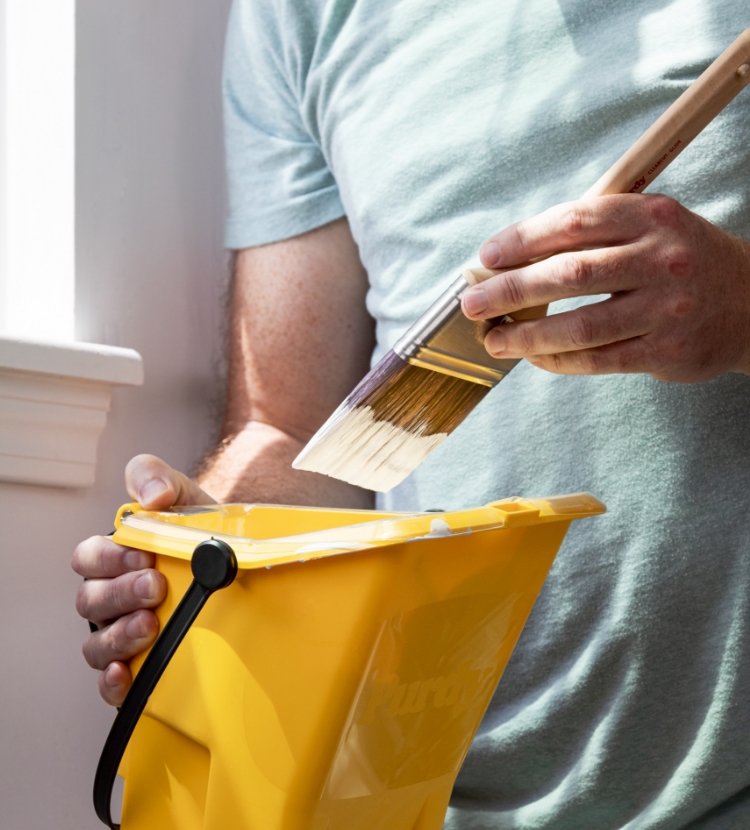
{"points": [[214, 566]]}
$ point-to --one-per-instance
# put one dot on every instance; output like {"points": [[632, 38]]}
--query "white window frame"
{"points": [[54, 392]]}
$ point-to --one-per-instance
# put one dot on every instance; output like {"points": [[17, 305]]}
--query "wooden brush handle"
{"points": [[690, 114], [664, 140]]}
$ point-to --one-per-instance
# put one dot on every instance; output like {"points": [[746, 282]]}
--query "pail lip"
{"points": [[326, 532]]}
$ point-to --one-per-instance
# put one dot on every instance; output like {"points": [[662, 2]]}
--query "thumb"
{"points": [[156, 486]]}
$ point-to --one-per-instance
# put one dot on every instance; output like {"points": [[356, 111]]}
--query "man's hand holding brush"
{"points": [[679, 304]]}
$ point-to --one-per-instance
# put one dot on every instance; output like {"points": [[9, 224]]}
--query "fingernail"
{"points": [[152, 490], [476, 301], [136, 628], [136, 559], [109, 679], [489, 253], [495, 342], [145, 586]]}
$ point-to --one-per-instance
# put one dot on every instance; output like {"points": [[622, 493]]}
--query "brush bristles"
{"points": [[389, 424], [357, 448]]}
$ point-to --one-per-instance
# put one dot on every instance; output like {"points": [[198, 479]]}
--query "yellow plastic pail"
{"points": [[337, 683]]}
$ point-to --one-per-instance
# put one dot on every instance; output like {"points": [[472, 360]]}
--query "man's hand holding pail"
{"points": [[288, 370], [121, 583]]}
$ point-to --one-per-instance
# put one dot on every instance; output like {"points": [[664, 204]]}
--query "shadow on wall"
{"points": [[151, 268]]}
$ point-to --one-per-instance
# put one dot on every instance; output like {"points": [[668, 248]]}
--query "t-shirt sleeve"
{"points": [[278, 180]]}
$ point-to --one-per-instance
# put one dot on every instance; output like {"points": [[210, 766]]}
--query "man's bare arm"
{"points": [[300, 339]]}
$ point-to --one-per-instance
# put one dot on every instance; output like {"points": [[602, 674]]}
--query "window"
{"points": [[54, 395], [37, 131]]}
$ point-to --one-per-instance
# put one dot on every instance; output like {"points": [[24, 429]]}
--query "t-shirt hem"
{"points": [[283, 222]]}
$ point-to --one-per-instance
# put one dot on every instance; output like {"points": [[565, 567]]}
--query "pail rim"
{"points": [[330, 532]]}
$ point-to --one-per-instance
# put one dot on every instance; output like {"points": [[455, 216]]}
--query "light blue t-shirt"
{"points": [[431, 124]]}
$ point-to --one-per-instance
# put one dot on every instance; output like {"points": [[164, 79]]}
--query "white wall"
{"points": [[3, 152], [150, 274]]}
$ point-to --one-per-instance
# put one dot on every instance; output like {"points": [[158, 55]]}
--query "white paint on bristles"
{"points": [[352, 446]]}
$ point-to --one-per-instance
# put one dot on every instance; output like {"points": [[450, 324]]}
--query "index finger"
{"points": [[587, 223], [100, 558]]}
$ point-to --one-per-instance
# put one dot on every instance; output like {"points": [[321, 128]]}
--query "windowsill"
{"points": [[54, 399]]}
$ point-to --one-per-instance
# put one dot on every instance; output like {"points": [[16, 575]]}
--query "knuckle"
{"points": [[591, 362], [76, 560], [106, 645], [116, 639], [557, 363], [678, 260], [675, 349], [83, 601], [519, 235], [663, 209], [94, 556], [574, 221], [121, 594], [576, 274], [98, 554], [91, 652], [581, 331], [549, 362], [646, 354], [513, 290], [627, 360], [526, 338], [681, 305]]}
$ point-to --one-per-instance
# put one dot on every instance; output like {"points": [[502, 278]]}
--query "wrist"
{"points": [[236, 469], [255, 465]]}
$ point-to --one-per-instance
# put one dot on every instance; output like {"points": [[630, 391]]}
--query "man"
{"points": [[372, 146]]}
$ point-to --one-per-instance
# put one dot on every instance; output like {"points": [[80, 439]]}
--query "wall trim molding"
{"points": [[54, 400]]}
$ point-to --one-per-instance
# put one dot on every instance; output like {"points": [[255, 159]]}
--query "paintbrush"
{"points": [[439, 371]]}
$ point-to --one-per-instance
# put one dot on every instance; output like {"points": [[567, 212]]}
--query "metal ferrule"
{"points": [[445, 340]]}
